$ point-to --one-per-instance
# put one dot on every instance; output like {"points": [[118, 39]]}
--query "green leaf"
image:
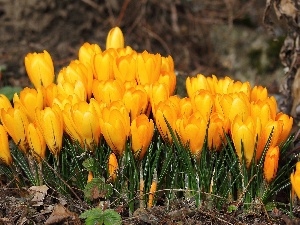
{"points": [[92, 216], [89, 164], [232, 208], [111, 217], [97, 216], [97, 188], [9, 91]]}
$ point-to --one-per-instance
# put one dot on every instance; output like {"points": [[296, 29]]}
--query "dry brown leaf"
{"points": [[39, 193], [60, 214], [287, 7]]}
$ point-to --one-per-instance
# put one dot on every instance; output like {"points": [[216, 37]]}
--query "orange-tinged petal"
{"points": [[287, 126], [271, 163], [113, 166]]}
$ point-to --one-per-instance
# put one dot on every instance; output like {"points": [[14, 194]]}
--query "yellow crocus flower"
{"points": [[295, 179], [15, 123], [136, 101], [5, 155], [243, 137], [36, 142], [50, 122], [271, 163], [115, 38], [113, 166], [142, 130], [87, 52], [40, 69], [86, 123], [108, 91], [192, 130], [115, 127], [29, 100]]}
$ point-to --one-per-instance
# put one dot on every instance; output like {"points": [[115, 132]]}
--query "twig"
{"points": [[122, 12]]}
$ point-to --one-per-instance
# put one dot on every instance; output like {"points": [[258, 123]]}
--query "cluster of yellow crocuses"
{"points": [[112, 92]]}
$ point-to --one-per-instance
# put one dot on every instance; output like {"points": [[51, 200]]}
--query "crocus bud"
{"points": [[243, 137], [115, 127], [295, 180], [15, 122], [40, 69], [115, 38], [5, 155], [142, 130], [50, 122], [113, 166], [271, 163], [36, 142]]}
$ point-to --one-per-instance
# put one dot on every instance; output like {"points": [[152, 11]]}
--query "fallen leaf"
{"points": [[39, 193], [59, 215]]}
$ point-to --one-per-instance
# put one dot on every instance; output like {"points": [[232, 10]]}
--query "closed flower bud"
{"points": [[113, 166], [115, 38], [271, 163], [5, 155], [295, 179], [287, 126], [192, 131], [50, 122], [40, 69], [86, 123], [36, 142], [15, 123], [103, 66], [243, 137], [115, 127], [142, 130], [162, 113]]}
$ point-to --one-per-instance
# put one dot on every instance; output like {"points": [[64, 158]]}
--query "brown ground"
{"points": [[179, 28]]}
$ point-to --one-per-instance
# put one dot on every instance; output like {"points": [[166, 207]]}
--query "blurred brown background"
{"points": [[222, 37]]}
